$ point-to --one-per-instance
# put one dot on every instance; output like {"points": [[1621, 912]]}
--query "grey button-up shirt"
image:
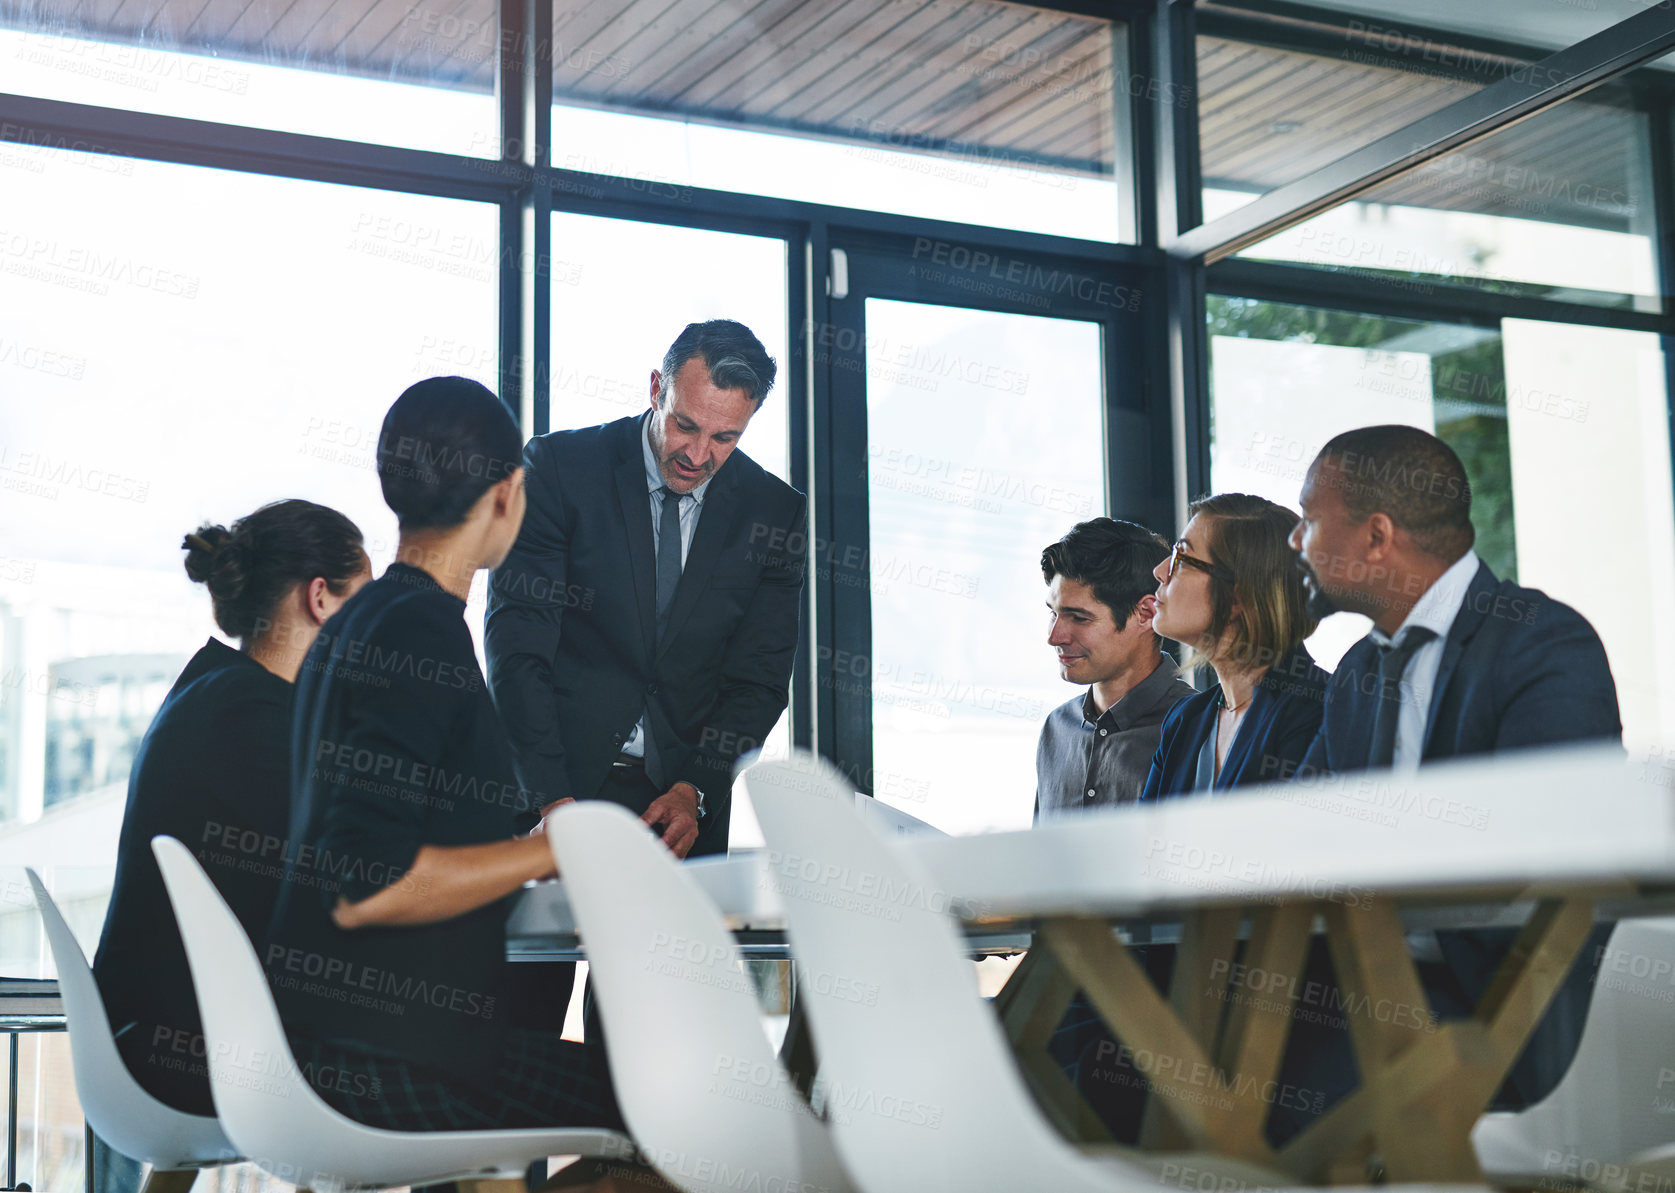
{"points": [[1087, 759]]}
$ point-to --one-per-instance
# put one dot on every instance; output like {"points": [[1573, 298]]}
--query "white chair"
{"points": [[133, 1122], [1610, 1121], [277, 1119], [917, 1077], [701, 1089]]}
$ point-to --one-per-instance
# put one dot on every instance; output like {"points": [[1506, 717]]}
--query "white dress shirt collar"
{"points": [[1440, 604]]}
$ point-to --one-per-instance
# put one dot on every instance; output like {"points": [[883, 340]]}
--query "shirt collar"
{"points": [[654, 478], [1139, 699], [1440, 604]]}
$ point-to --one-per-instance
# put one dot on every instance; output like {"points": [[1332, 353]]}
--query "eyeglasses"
{"points": [[1178, 556]]}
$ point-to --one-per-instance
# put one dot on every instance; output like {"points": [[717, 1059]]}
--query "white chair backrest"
{"points": [[272, 1113], [916, 1075], [1615, 1105], [118, 1110], [700, 1087], [268, 1110]]}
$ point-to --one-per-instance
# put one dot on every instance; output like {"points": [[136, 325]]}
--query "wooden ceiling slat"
{"points": [[1023, 89], [919, 57], [870, 67], [468, 56], [1357, 119], [315, 26], [957, 72], [370, 38], [1082, 130], [576, 22], [667, 76], [754, 95], [664, 43], [705, 92], [589, 67], [843, 62], [1341, 105], [1017, 120], [215, 21]]}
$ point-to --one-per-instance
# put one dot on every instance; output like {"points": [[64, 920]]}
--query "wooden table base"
{"points": [[1211, 1051]]}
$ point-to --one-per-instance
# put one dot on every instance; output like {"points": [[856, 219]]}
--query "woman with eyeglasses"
{"points": [[1231, 592]]}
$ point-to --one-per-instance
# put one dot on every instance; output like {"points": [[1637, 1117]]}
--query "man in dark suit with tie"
{"points": [[1466, 664], [1457, 663], [640, 635]]}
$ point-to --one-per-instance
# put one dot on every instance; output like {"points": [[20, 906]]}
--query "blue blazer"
{"points": [[1284, 717], [1519, 669]]}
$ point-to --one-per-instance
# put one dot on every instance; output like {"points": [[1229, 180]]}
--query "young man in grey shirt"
{"points": [[1097, 747]]}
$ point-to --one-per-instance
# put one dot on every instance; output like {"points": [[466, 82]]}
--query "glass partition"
{"points": [[1564, 432]]}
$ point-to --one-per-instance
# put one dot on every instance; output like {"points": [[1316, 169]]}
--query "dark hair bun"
{"points": [[219, 558], [250, 568]]}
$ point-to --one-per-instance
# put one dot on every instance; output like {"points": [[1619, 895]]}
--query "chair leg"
{"points": [[176, 1181]]}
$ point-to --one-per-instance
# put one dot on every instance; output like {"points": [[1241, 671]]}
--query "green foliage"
{"points": [[1468, 389]]}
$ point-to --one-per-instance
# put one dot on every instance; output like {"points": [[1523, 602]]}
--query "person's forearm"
{"points": [[446, 881]]}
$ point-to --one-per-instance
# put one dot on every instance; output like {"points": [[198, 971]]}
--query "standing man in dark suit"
{"points": [[640, 635], [1457, 663]]}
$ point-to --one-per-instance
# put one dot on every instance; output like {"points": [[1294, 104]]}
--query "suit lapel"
{"points": [[1466, 623], [632, 495], [721, 506]]}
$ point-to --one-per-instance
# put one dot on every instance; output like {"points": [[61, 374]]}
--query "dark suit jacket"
{"points": [[1284, 716], [1519, 669], [571, 634]]}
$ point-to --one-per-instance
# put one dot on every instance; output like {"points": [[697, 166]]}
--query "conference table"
{"points": [[1547, 844]]}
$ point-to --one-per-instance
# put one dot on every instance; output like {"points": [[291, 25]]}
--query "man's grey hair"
{"points": [[733, 355]]}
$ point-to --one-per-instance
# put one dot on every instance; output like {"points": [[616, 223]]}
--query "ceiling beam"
{"points": [[1523, 93]]}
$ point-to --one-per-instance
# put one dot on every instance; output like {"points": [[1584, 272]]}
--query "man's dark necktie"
{"points": [[668, 555], [1392, 665], [668, 579]]}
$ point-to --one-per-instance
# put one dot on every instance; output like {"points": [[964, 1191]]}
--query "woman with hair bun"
{"points": [[1231, 592], [214, 770]]}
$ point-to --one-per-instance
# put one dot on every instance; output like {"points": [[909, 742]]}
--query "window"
{"points": [[1563, 430], [419, 74], [154, 381]]}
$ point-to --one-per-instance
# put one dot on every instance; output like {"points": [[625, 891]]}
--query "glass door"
{"points": [[967, 437]]}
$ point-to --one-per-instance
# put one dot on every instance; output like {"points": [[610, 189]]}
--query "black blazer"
{"points": [[214, 771], [1518, 669], [571, 633], [395, 745], [1284, 716]]}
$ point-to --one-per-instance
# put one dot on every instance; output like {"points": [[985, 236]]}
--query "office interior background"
{"points": [[1021, 265]]}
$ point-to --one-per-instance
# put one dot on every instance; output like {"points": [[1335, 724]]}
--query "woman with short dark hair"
{"points": [[387, 954], [214, 771], [1232, 593]]}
